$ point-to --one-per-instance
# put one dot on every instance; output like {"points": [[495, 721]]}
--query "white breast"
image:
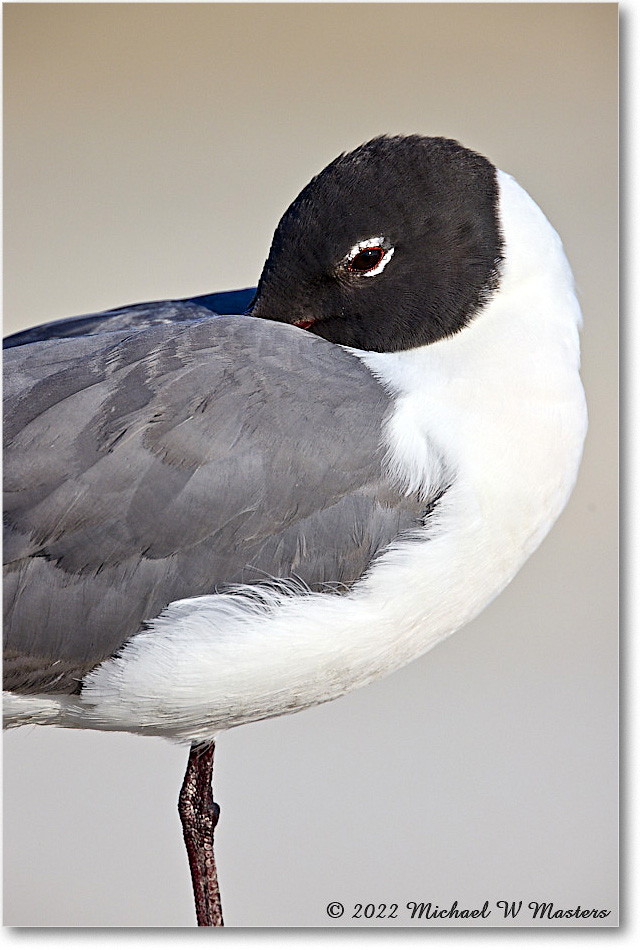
{"points": [[499, 407]]}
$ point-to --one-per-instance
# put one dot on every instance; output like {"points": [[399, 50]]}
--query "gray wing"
{"points": [[135, 317], [169, 463]]}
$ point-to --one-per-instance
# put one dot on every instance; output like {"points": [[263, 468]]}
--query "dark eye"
{"points": [[366, 260]]}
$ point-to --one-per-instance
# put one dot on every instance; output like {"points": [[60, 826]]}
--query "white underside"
{"points": [[501, 407]]}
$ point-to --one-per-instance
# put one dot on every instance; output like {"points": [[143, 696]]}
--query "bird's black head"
{"points": [[392, 246]]}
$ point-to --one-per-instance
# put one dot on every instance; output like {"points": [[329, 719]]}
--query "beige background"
{"points": [[149, 152]]}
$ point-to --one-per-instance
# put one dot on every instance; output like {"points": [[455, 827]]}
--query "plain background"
{"points": [[149, 152]]}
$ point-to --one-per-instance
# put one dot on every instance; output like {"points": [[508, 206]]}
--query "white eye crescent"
{"points": [[368, 258]]}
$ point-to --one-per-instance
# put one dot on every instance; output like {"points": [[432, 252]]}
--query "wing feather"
{"points": [[145, 468]]}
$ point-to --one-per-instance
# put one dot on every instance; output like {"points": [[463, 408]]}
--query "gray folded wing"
{"points": [[140, 316], [169, 463]]}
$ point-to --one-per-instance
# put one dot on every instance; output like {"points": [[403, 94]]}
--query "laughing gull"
{"points": [[215, 520]]}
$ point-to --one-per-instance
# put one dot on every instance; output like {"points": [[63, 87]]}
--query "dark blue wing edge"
{"points": [[137, 316]]}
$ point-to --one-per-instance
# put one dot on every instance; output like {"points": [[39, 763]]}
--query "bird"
{"points": [[218, 517]]}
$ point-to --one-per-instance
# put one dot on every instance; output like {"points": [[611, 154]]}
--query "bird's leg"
{"points": [[199, 816]]}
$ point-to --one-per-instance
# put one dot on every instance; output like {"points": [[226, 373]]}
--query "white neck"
{"points": [[501, 400]]}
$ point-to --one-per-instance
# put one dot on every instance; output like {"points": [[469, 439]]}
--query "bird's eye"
{"points": [[368, 258]]}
